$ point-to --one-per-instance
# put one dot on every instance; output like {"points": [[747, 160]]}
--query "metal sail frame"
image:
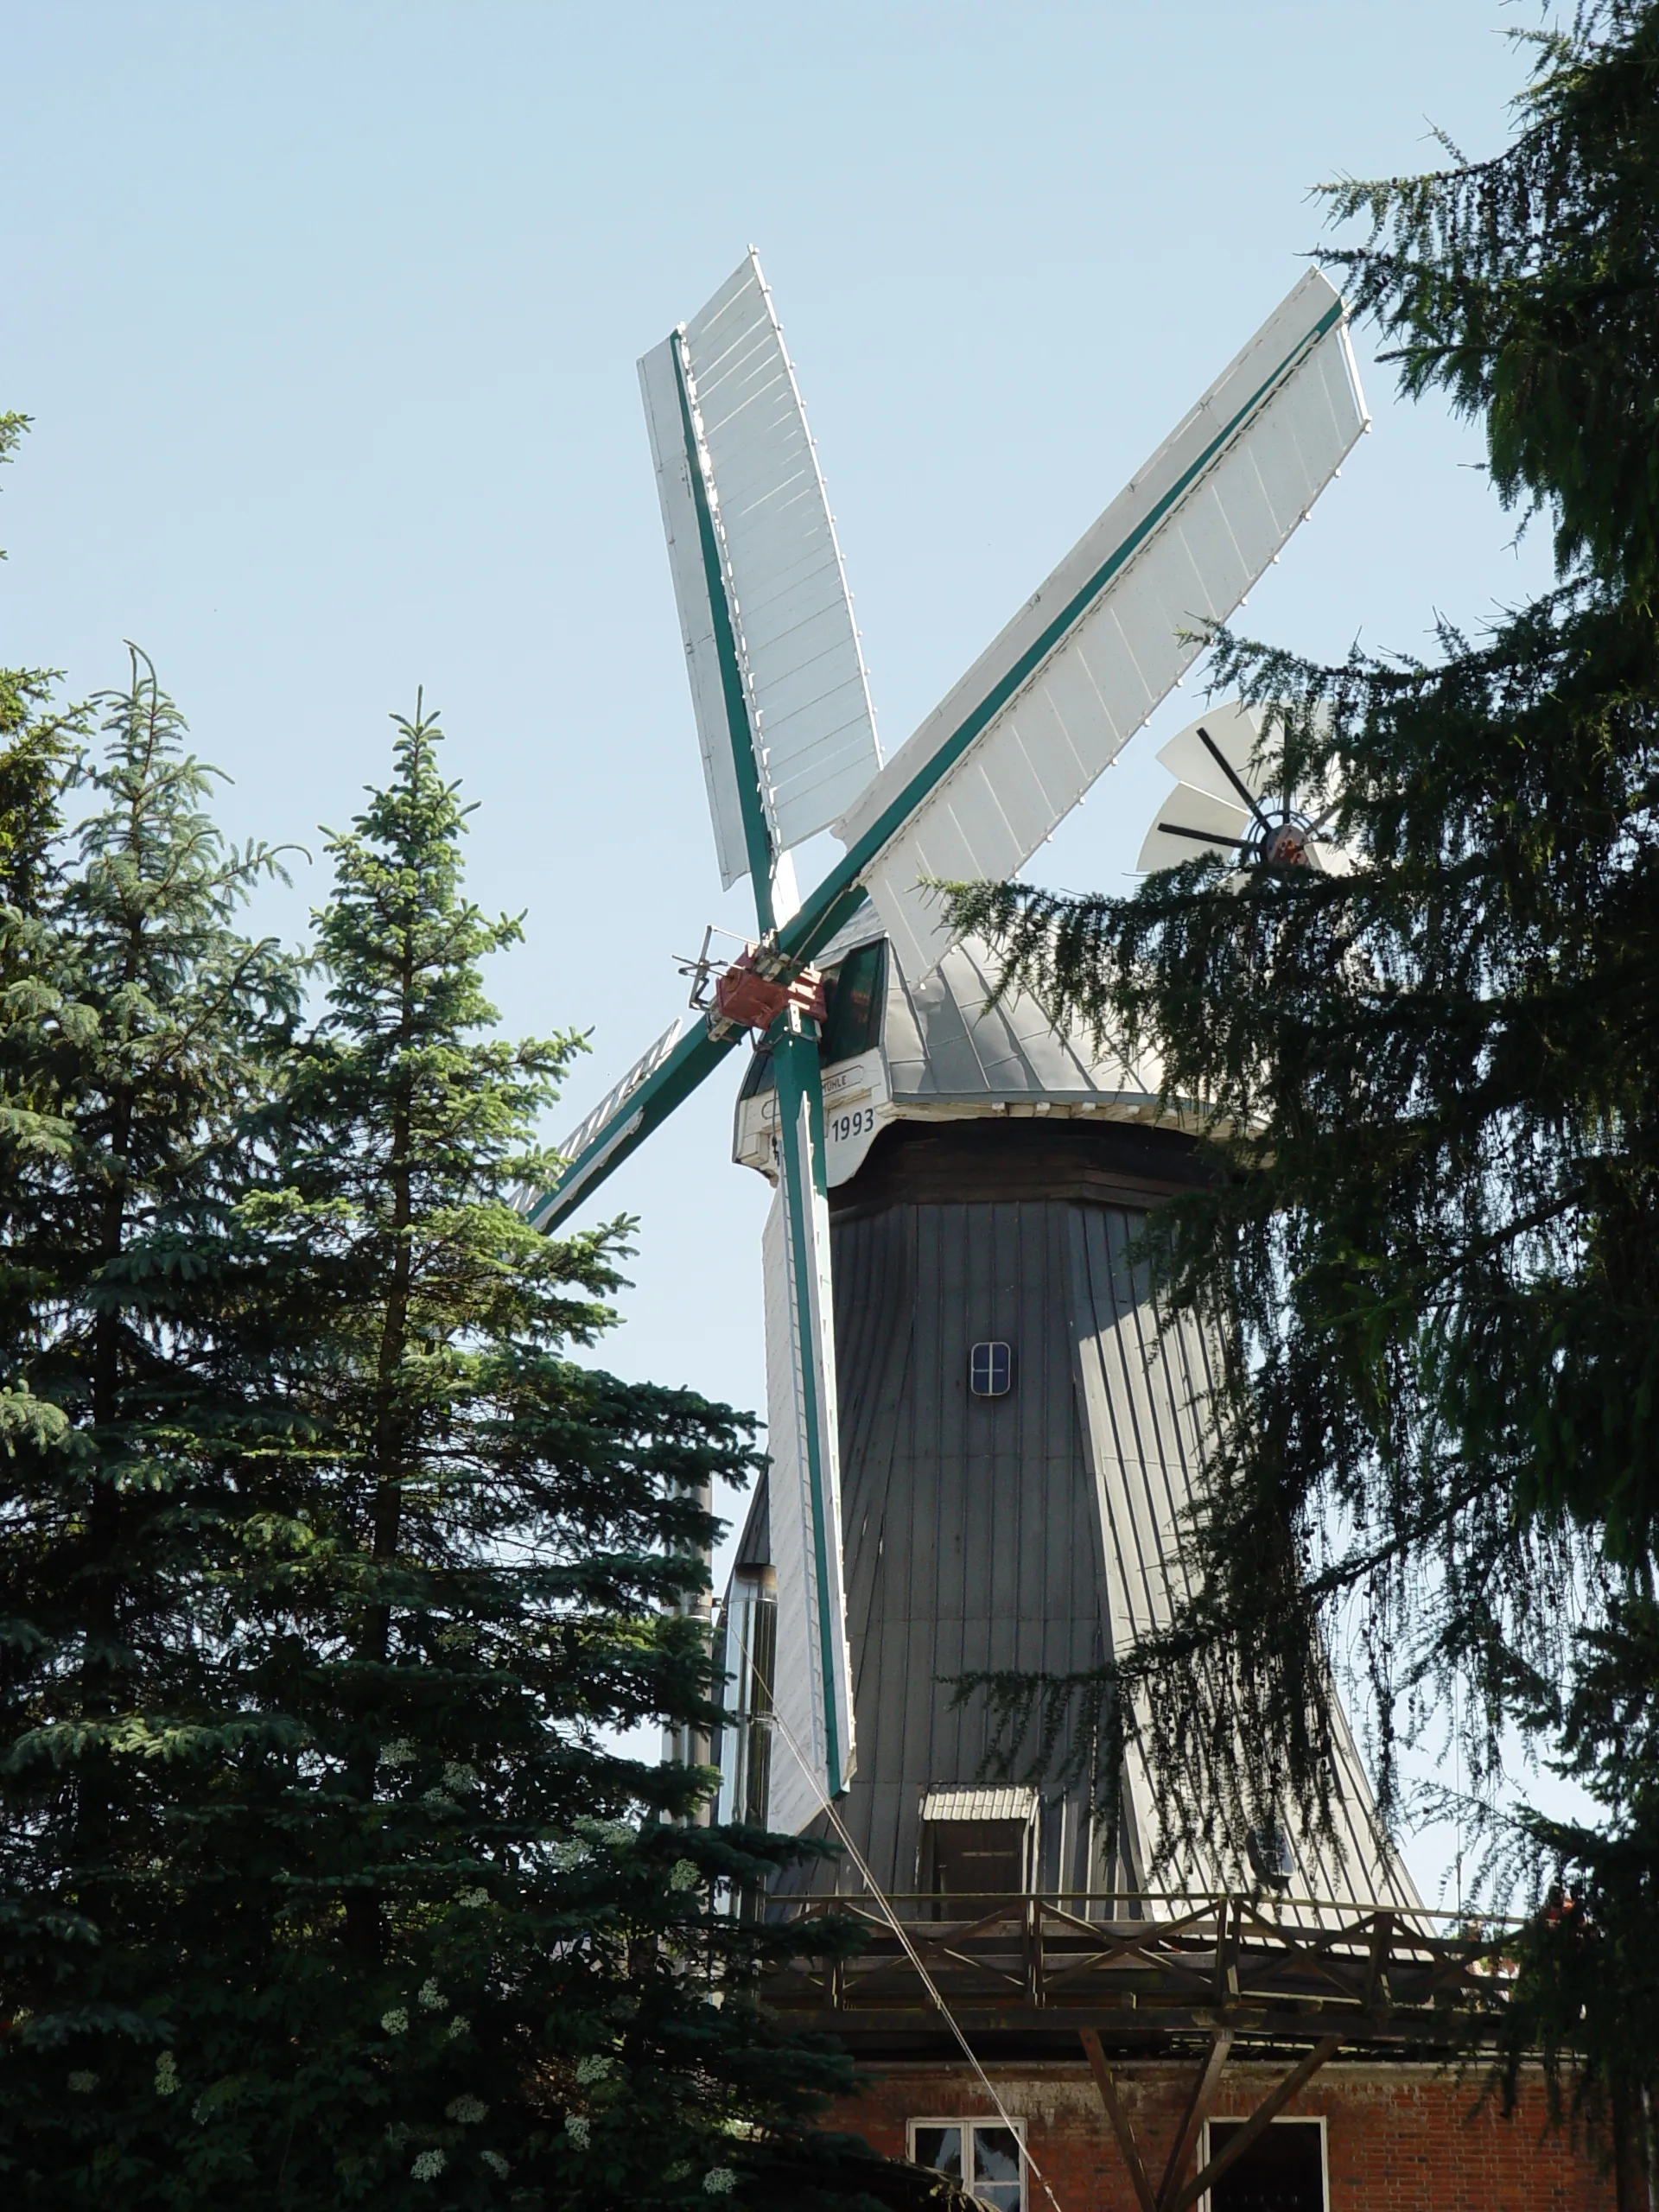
{"points": [[823, 910], [928, 794]]}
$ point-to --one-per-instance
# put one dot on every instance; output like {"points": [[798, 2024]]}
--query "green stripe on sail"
{"points": [[757, 838]]}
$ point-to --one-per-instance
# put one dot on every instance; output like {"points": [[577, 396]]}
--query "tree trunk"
{"points": [[1632, 2181], [364, 1919]]}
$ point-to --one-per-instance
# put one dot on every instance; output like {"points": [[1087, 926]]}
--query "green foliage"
{"points": [[134, 1030], [1429, 1255], [328, 1576], [39, 760], [1591, 1976], [1525, 288]]}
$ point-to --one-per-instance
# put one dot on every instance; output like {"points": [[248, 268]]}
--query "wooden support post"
{"points": [[1197, 2111], [1227, 1936], [1269, 2110], [1377, 1967], [1122, 2126]]}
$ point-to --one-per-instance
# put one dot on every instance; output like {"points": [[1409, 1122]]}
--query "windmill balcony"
{"points": [[1148, 1974]]}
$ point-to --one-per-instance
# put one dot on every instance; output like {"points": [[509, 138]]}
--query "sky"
{"points": [[327, 313]]}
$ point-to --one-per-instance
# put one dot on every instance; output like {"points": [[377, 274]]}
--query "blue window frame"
{"points": [[990, 1370]]}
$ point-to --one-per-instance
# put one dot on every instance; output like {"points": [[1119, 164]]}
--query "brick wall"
{"points": [[1399, 2138]]}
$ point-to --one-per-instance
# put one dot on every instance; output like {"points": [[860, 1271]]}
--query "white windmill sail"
{"points": [[812, 1690], [787, 735], [1050, 703], [777, 675]]}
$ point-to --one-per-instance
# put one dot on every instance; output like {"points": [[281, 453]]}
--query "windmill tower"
{"points": [[981, 1445]]}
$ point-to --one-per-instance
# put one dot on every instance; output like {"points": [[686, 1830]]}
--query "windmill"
{"points": [[878, 1039]]}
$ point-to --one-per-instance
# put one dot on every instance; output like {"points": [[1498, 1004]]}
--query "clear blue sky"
{"points": [[326, 311]]}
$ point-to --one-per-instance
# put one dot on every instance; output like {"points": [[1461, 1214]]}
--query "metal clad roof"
{"points": [[971, 1536], [1035, 1532], [1142, 1387], [946, 1040]]}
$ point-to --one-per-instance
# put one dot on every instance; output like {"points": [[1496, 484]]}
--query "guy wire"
{"points": [[775, 1720]]}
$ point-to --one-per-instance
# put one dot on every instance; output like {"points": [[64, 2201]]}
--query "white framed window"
{"points": [[983, 2155], [1283, 2170], [990, 1370]]}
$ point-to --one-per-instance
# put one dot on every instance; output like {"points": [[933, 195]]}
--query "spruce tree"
{"points": [[327, 1884], [141, 1029], [531, 1990], [40, 747], [1429, 1256]]}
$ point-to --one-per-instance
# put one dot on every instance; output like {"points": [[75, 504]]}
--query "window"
{"points": [[742, 1751], [853, 996], [1283, 2170], [1268, 1851], [761, 1075], [981, 2154], [990, 1370]]}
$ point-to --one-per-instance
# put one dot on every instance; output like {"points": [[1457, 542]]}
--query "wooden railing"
{"points": [[1133, 1969]]}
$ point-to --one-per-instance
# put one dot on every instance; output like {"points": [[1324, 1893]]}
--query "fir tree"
{"points": [[1430, 1259], [483, 1550]]}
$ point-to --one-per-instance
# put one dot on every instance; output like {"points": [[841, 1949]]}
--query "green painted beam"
{"points": [[757, 836], [694, 1057]]}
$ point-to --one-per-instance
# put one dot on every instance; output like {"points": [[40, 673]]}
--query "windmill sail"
{"points": [[788, 739], [777, 678], [803, 1425], [812, 1688], [1055, 699]]}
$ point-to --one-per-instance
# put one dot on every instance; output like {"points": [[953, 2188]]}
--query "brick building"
{"points": [[1386, 2137]]}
